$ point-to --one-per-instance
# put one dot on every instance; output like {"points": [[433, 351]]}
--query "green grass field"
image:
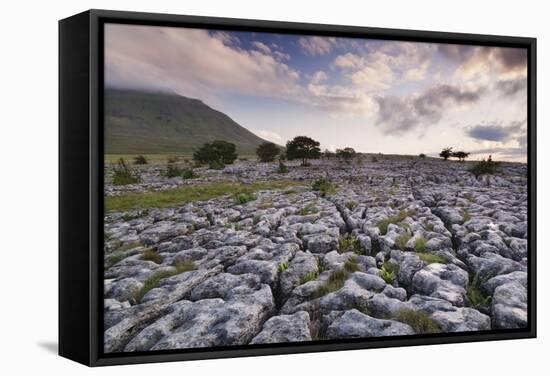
{"points": [[190, 193], [161, 158]]}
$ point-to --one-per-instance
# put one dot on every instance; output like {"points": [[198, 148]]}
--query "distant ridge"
{"points": [[141, 122]]}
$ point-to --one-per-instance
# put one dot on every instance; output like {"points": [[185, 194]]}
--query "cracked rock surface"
{"points": [[405, 246]]}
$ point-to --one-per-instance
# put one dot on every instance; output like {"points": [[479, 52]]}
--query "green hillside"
{"points": [[139, 122]]}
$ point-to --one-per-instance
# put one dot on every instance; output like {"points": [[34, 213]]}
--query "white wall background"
{"points": [[28, 199]]}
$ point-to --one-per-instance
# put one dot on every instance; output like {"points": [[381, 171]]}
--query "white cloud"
{"points": [[262, 47], [270, 136], [316, 45], [192, 62]]}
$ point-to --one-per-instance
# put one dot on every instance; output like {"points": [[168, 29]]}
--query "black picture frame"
{"points": [[81, 185]]}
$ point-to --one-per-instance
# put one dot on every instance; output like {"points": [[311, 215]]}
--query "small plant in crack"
{"points": [[349, 243], [350, 205], [282, 267], [311, 276], [466, 216], [475, 297], [335, 282], [388, 272]]}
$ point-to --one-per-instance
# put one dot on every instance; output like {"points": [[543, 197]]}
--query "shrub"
{"points": [[216, 165], [172, 171], [188, 173], [219, 151], [401, 241], [422, 155], [324, 186], [346, 153], [461, 155], [420, 244], [484, 167], [123, 175], [140, 160], [446, 153], [282, 168], [311, 276], [152, 255], [243, 198], [374, 159], [335, 282], [267, 152], [349, 242], [420, 321], [282, 267], [430, 258], [474, 295], [172, 159]]}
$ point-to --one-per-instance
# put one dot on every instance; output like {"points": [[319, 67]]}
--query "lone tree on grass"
{"points": [[461, 155], [267, 152], [304, 148], [218, 152], [446, 153], [346, 153]]}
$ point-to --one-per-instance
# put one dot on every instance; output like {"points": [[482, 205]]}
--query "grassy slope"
{"points": [[138, 122]]}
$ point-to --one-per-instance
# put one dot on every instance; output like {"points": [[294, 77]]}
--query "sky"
{"points": [[376, 96]]}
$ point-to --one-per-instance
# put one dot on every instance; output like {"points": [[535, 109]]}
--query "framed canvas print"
{"points": [[238, 187]]}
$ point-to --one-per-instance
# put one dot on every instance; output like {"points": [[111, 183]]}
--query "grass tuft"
{"points": [[401, 241], [420, 321], [311, 276], [420, 244], [394, 219], [335, 282], [152, 255], [152, 282], [430, 258], [243, 198]]}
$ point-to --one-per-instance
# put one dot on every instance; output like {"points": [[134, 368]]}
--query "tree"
{"points": [[461, 155], [345, 153], [328, 154], [446, 153], [304, 148], [219, 151], [422, 155], [267, 152]]}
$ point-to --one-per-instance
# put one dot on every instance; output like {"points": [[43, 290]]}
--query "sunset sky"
{"points": [[375, 96]]}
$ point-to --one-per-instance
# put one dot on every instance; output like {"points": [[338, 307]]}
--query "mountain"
{"points": [[141, 122]]}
